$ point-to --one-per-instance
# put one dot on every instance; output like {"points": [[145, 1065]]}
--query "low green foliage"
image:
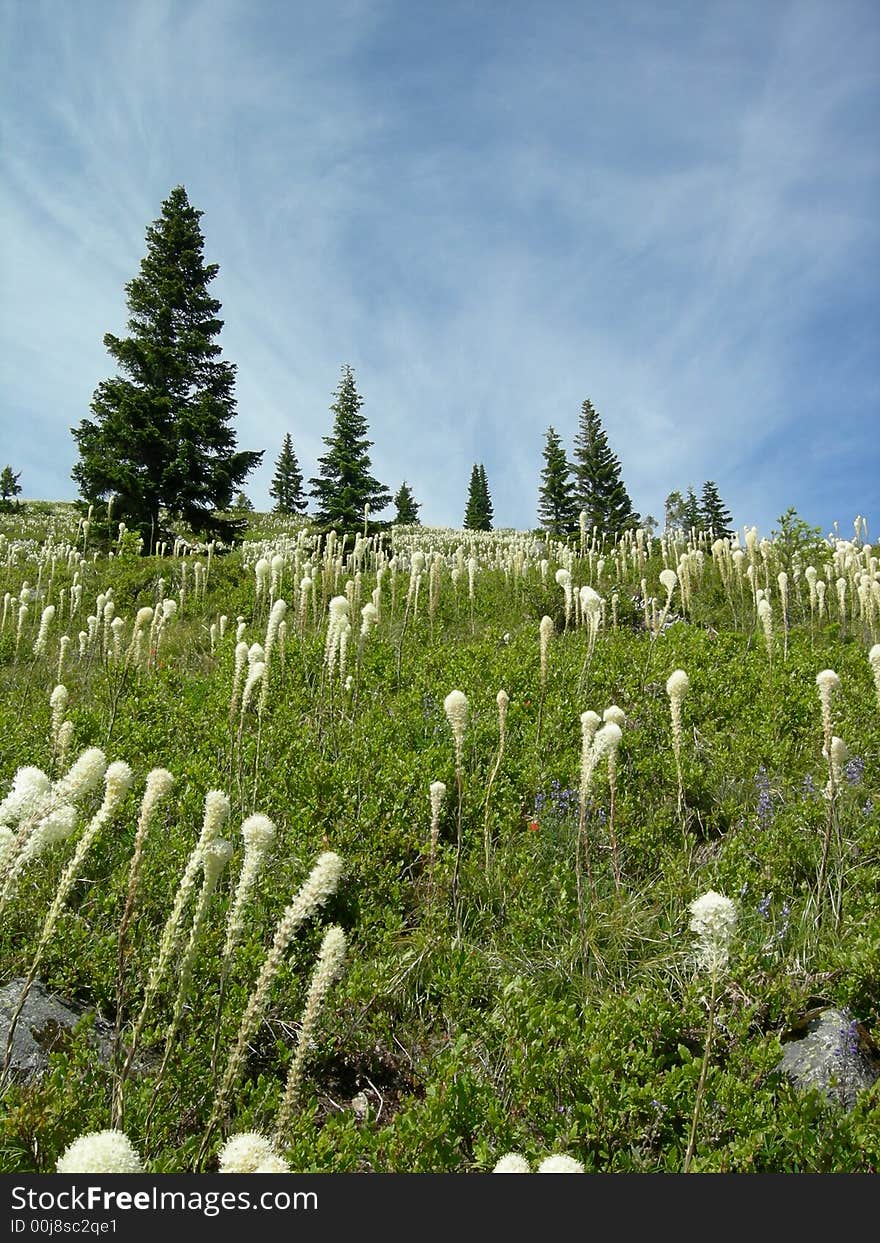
{"points": [[515, 1019]]}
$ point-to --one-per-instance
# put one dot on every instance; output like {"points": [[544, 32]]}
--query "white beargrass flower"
{"points": [[43, 633], [248, 1152], [713, 920], [320, 885], [58, 706], [255, 673], [455, 706], [85, 775], [615, 714], [668, 580], [559, 1163], [765, 616], [545, 634], [438, 794], [874, 661], [65, 738], [836, 755], [677, 686], [828, 682], [512, 1163], [7, 845], [30, 790], [100, 1152], [331, 959], [369, 618], [259, 833]]}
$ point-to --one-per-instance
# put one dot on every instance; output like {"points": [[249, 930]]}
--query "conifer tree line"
{"points": [[590, 483], [706, 514], [161, 438]]}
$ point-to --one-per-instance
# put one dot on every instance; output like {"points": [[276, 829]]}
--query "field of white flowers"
{"points": [[426, 851]]}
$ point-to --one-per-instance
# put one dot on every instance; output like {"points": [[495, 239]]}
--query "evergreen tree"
{"points": [[10, 488], [287, 482], [478, 512], [674, 512], [472, 508], [407, 507], [345, 486], [487, 511], [557, 507], [693, 520], [163, 436], [243, 503], [599, 488], [714, 514]]}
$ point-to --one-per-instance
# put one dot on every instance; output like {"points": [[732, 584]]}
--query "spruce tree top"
{"points": [[600, 490], [345, 486], [163, 437]]}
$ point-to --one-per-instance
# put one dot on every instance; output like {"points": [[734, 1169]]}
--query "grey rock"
{"points": [[45, 1024], [832, 1057]]}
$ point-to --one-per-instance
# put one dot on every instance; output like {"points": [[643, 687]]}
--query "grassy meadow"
{"points": [[519, 974]]}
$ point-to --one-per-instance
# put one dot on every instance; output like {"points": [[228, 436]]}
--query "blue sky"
{"points": [[490, 210]]}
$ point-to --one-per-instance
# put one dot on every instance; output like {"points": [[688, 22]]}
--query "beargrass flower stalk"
{"points": [[248, 1152], [502, 699], [782, 582], [614, 719], [874, 662], [713, 921], [214, 859], [472, 575], [65, 738], [546, 630], [437, 794], [100, 1152], [677, 686], [34, 797], [455, 706], [259, 833], [240, 661], [668, 581], [320, 885], [22, 616], [7, 845], [63, 652], [563, 580], [589, 724], [118, 779], [828, 682], [331, 960], [216, 814], [765, 617], [276, 616], [42, 639], [344, 636]]}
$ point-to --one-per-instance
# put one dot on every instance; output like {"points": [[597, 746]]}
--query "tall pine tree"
{"points": [[714, 514], [478, 512], [345, 486], [488, 511], [557, 507], [287, 483], [693, 519], [599, 488], [163, 437], [407, 507]]}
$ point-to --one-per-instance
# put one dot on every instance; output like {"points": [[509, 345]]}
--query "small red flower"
{"points": [[533, 825]]}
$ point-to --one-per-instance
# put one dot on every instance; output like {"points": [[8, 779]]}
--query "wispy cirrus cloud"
{"points": [[489, 212]]}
